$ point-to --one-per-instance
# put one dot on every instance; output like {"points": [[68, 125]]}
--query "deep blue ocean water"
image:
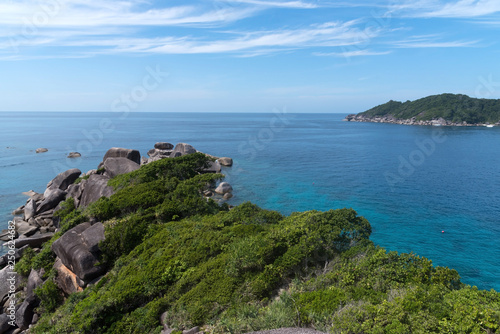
{"points": [[411, 183]]}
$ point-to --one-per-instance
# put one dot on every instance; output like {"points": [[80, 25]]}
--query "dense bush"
{"points": [[171, 250]]}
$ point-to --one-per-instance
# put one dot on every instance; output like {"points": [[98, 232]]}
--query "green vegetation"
{"points": [[170, 250], [451, 107]]}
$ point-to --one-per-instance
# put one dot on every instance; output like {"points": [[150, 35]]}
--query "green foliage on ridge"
{"points": [[247, 269], [451, 107]]}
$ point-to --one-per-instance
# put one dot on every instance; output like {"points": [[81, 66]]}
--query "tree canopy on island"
{"points": [[456, 108]]}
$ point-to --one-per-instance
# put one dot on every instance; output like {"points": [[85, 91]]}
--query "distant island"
{"points": [[443, 109]]}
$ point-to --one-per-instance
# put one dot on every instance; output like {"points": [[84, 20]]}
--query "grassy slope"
{"points": [[247, 269], [454, 108]]}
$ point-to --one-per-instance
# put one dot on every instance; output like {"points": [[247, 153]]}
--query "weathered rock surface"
{"points": [[64, 179], [117, 166], [72, 155], [67, 280], [4, 323], [78, 250], [225, 161], [8, 279], [224, 188], [214, 167], [117, 152], [34, 281], [53, 196], [182, 149], [35, 241], [75, 191], [410, 121], [4, 259], [29, 209], [164, 146], [25, 228], [24, 314], [41, 150], [95, 187]]}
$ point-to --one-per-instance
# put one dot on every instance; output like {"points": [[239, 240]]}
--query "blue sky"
{"points": [[243, 55]]}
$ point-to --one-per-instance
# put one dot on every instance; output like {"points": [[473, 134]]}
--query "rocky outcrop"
{"points": [[4, 323], [213, 168], [34, 281], [10, 281], [79, 252], [410, 121], [182, 149], [225, 161], [117, 152], [52, 197], [35, 241], [94, 188], [41, 150], [73, 155], [223, 188], [116, 166], [29, 209], [67, 280], [164, 146], [64, 179]]}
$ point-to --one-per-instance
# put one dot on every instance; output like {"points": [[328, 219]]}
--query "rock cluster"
{"points": [[77, 251], [411, 121]]}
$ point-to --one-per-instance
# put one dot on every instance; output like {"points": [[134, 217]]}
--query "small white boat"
{"points": [[489, 126]]}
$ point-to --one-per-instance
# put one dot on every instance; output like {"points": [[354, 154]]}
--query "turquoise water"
{"points": [[411, 183]]}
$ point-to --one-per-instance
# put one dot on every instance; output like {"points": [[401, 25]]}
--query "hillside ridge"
{"points": [[440, 110]]}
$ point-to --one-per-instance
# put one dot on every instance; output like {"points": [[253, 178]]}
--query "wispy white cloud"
{"points": [[281, 4], [449, 9], [433, 41], [253, 43], [93, 13], [354, 53]]}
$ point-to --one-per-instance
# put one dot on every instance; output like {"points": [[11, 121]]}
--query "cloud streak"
{"points": [[450, 9]]}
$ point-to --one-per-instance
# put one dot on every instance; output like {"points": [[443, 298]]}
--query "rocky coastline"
{"points": [[411, 121], [77, 250]]}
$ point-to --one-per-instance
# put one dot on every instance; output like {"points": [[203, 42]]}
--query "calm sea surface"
{"points": [[411, 183]]}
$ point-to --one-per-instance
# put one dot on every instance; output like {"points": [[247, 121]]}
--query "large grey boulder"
{"points": [[24, 314], [66, 280], [41, 150], [73, 155], [225, 161], [160, 154], [24, 228], [10, 281], [95, 187], [29, 209], [4, 323], [224, 188], [214, 167], [64, 179], [53, 196], [4, 259], [164, 146], [117, 166], [117, 152], [35, 241], [34, 281], [182, 149], [75, 191], [78, 250]]}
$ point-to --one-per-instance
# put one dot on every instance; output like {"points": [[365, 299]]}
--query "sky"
{"points": [[243, 55]]}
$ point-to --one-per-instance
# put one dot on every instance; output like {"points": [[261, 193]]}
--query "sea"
{"points": [[433, 191]]}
